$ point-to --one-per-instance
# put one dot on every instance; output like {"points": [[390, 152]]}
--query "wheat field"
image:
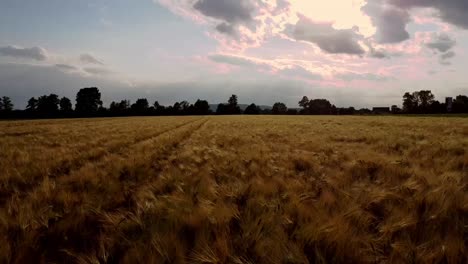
{"points": [[236, 189]]}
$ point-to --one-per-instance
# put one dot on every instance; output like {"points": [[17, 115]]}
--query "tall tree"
{"points": [[121, 108], [5, 104], [460, 104], [279, 109], [321, 107], [233, 100], [425, 99], [201, 107], [233, 107], [252, 109], [65, 105], [410, 103], [304, 102], [88, 101], [48, 104], [32, 104], [140, 107]]}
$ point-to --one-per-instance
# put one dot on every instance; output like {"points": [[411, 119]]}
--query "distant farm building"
{"points": [[381, 110]]}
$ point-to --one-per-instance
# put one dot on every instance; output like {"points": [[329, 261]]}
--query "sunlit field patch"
{"points": [[260, 189]]}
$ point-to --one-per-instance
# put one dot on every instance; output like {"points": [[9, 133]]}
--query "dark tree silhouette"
{"points": [[5, 104], [425, 99], [231, 108], [140, 107], [321, 107], [201, 107], [222, 109], [418, 102], [32, 105], [279, 109], [119, 109], [252, 109], [304, 104], [48, 104], [88, 101], [65, 105], [460, 104], [410, 103], [346, 111]]}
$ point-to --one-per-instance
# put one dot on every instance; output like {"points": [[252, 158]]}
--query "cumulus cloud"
{"points": [[390, 22], [34, 53], [236, 24], [327, 38], [441, 42], [89, 59]]}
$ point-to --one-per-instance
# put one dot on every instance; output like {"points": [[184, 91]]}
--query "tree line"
{"points": [[89, 104]]}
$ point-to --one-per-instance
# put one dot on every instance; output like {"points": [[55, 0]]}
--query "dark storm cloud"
{"points": [[451, 11], [34, 53], [390, 22], [330, 40], [87, 58], [441, 42]]}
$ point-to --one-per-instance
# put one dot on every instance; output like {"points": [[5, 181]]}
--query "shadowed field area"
{"points": [[261, 189]]}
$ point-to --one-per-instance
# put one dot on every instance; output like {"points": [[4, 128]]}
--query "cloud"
{"points": [[66, 67], [285, 68], [226, 28], [390, 22], [97, 71], [444, 58], [448, 55], [378, 54], [296, 71], [233, 60], [87, 58], [441, 42], [231, 11], [236, 24], [328, 39], [34, 53], [352, 76], [451, 11]]}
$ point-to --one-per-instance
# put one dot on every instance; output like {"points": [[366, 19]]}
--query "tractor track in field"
{"points": [[54, 226], [69, 167], [115, 149], [164, 157]]}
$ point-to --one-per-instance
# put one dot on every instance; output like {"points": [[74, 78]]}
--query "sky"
{"points": [[360, 53]]}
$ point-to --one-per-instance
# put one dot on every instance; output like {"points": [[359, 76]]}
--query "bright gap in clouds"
{"points": [[344, 14]]}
